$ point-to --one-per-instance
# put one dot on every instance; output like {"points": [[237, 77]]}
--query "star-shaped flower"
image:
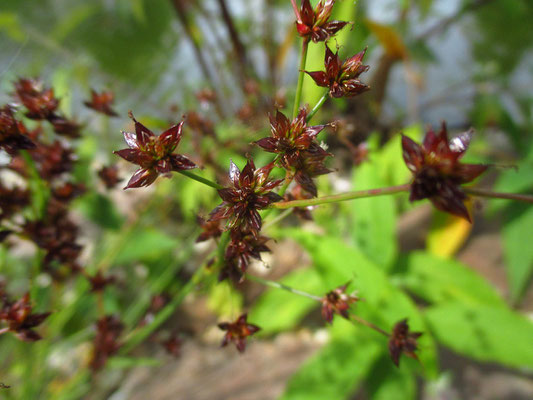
{"points": [[12, 132], [237, 332], [20, 319], [315, 24], [342, 79], [403, 341], [101, 102], [337, 302], [154, 154], [249, 192], [438, 174], [40, 101]]}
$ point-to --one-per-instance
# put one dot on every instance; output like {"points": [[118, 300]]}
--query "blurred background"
{"points": [[225, 64]]}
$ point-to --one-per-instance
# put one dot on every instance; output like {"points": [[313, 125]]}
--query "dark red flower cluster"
{"points": [[249, 192], [438, 174], [403, 342], [337, 302], [154, 154], [102, 103], [106, 343], [12, 200], [19, 317], [109, 176], [342, 79], [237, 332], [12, 132], [99, 281], [296, 148], [41, 104], [315, 24]]}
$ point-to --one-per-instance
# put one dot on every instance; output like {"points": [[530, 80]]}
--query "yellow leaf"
{"points": [[447, 233], [389, 39]]}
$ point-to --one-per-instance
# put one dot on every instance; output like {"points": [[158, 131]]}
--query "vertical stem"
{"points": [[296, 11], [317, 106], [298, 96]]}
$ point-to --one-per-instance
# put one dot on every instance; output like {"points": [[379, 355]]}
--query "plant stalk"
{"points": [[298, 96], [281, 286], [198, 178], [317, 106], [342, 197], [495, 195]]}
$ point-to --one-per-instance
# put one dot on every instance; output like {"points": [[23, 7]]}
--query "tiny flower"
{"points": [[101, 102], [40, 102], [98, 281], [109, 176], [65, 127], [210, 229], [337, 302], [237, 332], [437, 171], [242, 247], [68, 191], [20, 319], [154, 154], [173, 345], [342, 79], [12, 132], [403, 341], [249, 191], [314, 24], [106, 344]]}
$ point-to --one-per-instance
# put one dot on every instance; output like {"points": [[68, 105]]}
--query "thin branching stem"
{"points": [[298, 96], [342, 197], [317, 106], [495, 195], [198, 178], [296, 11], [282, 286], [359, 320]]}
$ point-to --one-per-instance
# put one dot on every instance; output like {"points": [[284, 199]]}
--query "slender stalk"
{"points": [[495, 195], [296, 11], [278, 218], [317, 106], [282, 286], [359, 320], [342, 197], [198, 178], [303, 58]]}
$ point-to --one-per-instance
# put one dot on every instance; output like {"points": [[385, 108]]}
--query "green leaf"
{"points": [[484, 333], [374, 219], [278, 310], [440, 280], [387, 382], [144, 245], [119, 362], [518, 256], [336, 370], [100, 210]]}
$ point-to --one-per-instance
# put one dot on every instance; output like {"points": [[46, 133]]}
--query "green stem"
{"points": [[298, 96], [282, 286], [359, 320], [342, 197], [198, 178], [278, 218], [495, 195], [317, 106]]}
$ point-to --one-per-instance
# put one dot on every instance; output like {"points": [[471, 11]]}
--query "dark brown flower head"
{"points": [[99, 282], [154, 154], [210, 229], [106, 344], [242, 247], [102, 102], [306, 169], [57, 235], [12, 200], [68, 191], [12, 132], [249, 191], [437, 171], [403, 341], [173, 345], [342, 79], [53, 160], [19, 318], [337, 302], [292, 140], [237, 332], [39, 101], [65, 127], [315, 24], [109, 176]]}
